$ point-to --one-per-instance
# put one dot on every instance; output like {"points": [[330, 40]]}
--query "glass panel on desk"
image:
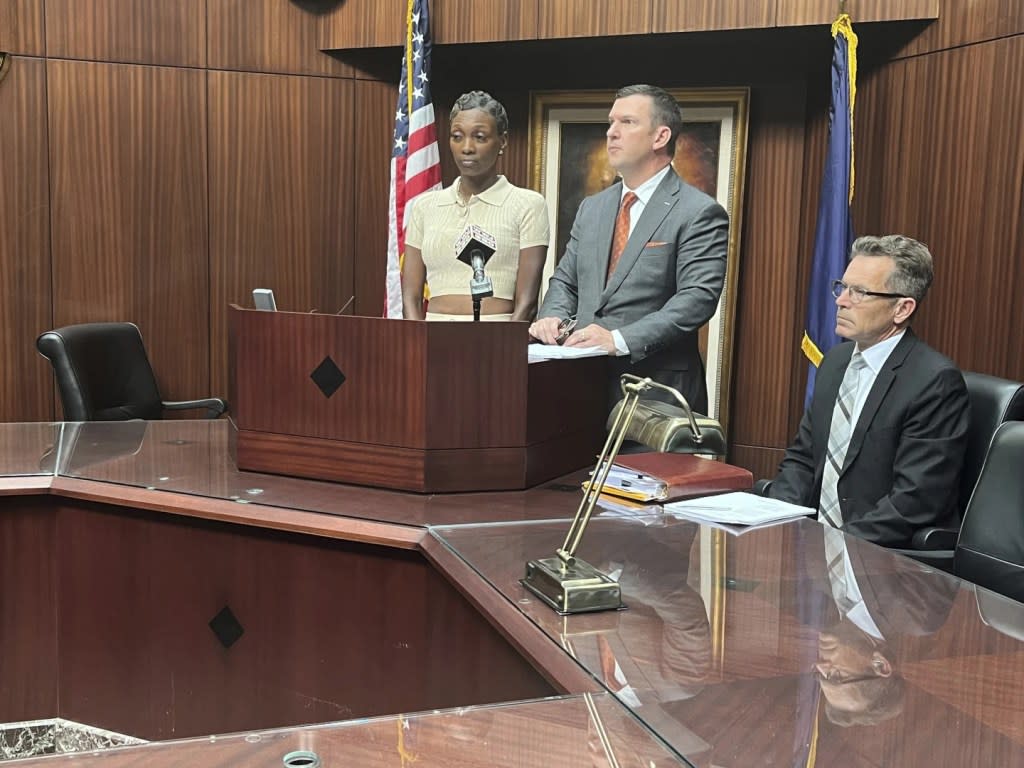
{"points": [[750, 644], [194, 457], [568, 732], [29, 448]]}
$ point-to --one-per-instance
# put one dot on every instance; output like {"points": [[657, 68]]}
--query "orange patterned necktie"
{"points": [[621, 235]]}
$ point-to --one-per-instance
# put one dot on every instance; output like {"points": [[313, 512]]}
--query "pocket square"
{"points": [[655, 244]]}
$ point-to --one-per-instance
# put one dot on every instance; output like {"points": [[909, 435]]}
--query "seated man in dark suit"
{"points": [[880, 448]]}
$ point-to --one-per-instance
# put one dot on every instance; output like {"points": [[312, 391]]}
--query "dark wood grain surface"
{"points": [[670, 16], [457, 21], [26, 384], [331, 630], [797, 12], [962, 23], [268, 36], [594, 18], [280, 186], [724, 638], [28, 610], [21, 27], [370, 217], [169, 33], [127, 154], [566, 732]]}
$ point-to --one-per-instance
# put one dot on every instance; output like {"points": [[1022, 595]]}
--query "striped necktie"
{"points": [[621, 236], [839, 441]]}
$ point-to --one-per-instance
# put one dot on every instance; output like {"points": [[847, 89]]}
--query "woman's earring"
{"points": [[501, 151]]}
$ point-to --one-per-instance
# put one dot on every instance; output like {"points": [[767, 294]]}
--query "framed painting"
{"points": [[568, 162]]}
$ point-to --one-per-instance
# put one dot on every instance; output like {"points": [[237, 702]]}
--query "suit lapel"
{"points": [[658, 207], [607, 212], [876, 396]]}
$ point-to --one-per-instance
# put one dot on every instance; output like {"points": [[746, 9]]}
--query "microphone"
{"points": [[474, 248]]}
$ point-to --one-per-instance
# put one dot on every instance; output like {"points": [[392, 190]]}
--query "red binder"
{"points": [[685, 476]]}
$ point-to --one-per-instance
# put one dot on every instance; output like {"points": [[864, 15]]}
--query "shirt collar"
{"points": [[876, 355], [645, 190], [494, 195]]}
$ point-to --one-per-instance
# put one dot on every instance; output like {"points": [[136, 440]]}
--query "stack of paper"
{"points": [[743, 509], [632, 485], [537, 352]]}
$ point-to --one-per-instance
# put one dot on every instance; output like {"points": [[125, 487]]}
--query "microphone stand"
{"points": [[480, 286]]}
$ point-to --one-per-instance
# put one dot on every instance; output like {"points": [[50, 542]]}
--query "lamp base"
{"points": [[575, 588]]}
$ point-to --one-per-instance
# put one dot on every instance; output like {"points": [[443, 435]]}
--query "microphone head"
{"points": [[474, 241]]}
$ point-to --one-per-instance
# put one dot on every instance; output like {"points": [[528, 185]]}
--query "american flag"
{"points": [[415, 161]]}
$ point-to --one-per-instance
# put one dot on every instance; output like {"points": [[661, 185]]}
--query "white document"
{"points": [[537, 352], [738, 509]]}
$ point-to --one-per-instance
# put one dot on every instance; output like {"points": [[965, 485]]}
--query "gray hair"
{"points": [[664, 111], [913, 271], [483, 101]]}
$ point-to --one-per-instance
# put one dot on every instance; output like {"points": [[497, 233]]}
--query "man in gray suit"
{"points": [[645, 262]]}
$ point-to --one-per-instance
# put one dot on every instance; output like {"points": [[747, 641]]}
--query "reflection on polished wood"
{"points": [[954, 696], [558, 732], [737, 656], [165, 459]]}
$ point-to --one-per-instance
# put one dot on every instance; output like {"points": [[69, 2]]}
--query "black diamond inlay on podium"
{"points": [[226, 627], [328, 377]]}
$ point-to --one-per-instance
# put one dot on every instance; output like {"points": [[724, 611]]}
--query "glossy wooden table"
{"points": [[569, 732], [732, 651]]}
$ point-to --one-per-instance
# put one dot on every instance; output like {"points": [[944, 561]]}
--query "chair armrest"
{"points": [[940, 559], [934, 539], [214, 406], [761, 487]]}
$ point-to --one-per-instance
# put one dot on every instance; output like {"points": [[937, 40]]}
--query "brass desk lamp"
{"points": [[571, 585]]}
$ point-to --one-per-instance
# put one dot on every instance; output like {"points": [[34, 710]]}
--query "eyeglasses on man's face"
{"points": [[858, 294]]}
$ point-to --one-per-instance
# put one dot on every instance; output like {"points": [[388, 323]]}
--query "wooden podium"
{"points": [[411, 405]]}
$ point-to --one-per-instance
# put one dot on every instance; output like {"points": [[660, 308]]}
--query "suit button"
{"points": [[599, 313]]}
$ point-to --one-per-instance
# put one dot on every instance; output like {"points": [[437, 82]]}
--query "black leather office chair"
{"points": [[993, 402], [990, 549], [103, 374]]}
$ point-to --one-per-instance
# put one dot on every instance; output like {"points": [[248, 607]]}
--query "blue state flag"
{"points": [[833, 233]]}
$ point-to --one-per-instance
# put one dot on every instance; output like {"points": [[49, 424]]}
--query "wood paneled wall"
{"points": [[21, 27], [169, 32], [26, 390], [374, 23], [128, 161], [273, 162], [281, 191]]}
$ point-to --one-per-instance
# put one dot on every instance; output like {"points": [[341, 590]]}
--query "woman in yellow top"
{"points": [[517, 219]]}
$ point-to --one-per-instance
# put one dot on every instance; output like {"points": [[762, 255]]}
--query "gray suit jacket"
{"points": [[666, 285], [902, 469]]}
